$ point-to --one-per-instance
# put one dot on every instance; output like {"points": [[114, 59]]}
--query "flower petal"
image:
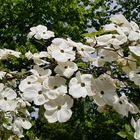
{"points": [[64, 115]]}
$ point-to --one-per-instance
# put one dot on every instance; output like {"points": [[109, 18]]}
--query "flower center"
{"points": [[120, 102], [62, 51], [55, 87], [102, 92], [82, 84], [82, 49], [59, 107]]}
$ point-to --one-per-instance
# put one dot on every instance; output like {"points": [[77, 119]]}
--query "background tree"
{"points": [[67, 19], [131, 9]]}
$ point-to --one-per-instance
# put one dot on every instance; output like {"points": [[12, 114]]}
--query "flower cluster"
{"points": [[56, 78], [120, 35]]}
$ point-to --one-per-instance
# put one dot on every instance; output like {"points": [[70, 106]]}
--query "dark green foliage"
{"points": [[67, 18], [131, 9], [86, 124]]}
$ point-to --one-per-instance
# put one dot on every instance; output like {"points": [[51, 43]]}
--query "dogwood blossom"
{"points": [[7, 99], [84, 50], [128, 63], [61, 51], [4, 53], [30, 81], [120, 19], [58, 109], [40, 73], [20, 124], [40, 32], [135, 50], [135, 76], [2, 74], [55, 86], [105, 91], [123, 106], [66, 69], [106, 56], [134, 26], [37, 57], [81, 85]]}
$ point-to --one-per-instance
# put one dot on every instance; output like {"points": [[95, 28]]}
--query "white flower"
{"points": [[37, 57], [40, 73], [106, 56], [134, 36], [1, 87], [91, 41], [4, 53], [128, 63], [40, 99], [104, 39], [115, 39], [105, 98], [104, 83], [66, 69], [58, 109], [31, 94], [123, 106], [134, 26], [98, 61], [7, 99], [12, 52], [83, 50], [40, 32], [122, 30], [55, 86], [120, 19], [135, 76], [105, 90], [110, 27], [136, 126], [135, 49], [118, 40], [61, 51], [81, 85], [20, 124], [30, 81], [2, 74]]}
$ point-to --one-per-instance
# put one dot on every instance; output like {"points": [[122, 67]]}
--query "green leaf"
{"points": [[129, 132], [122, 134], [101, 32], [81, 64], [130, 136], [128, 128]]}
